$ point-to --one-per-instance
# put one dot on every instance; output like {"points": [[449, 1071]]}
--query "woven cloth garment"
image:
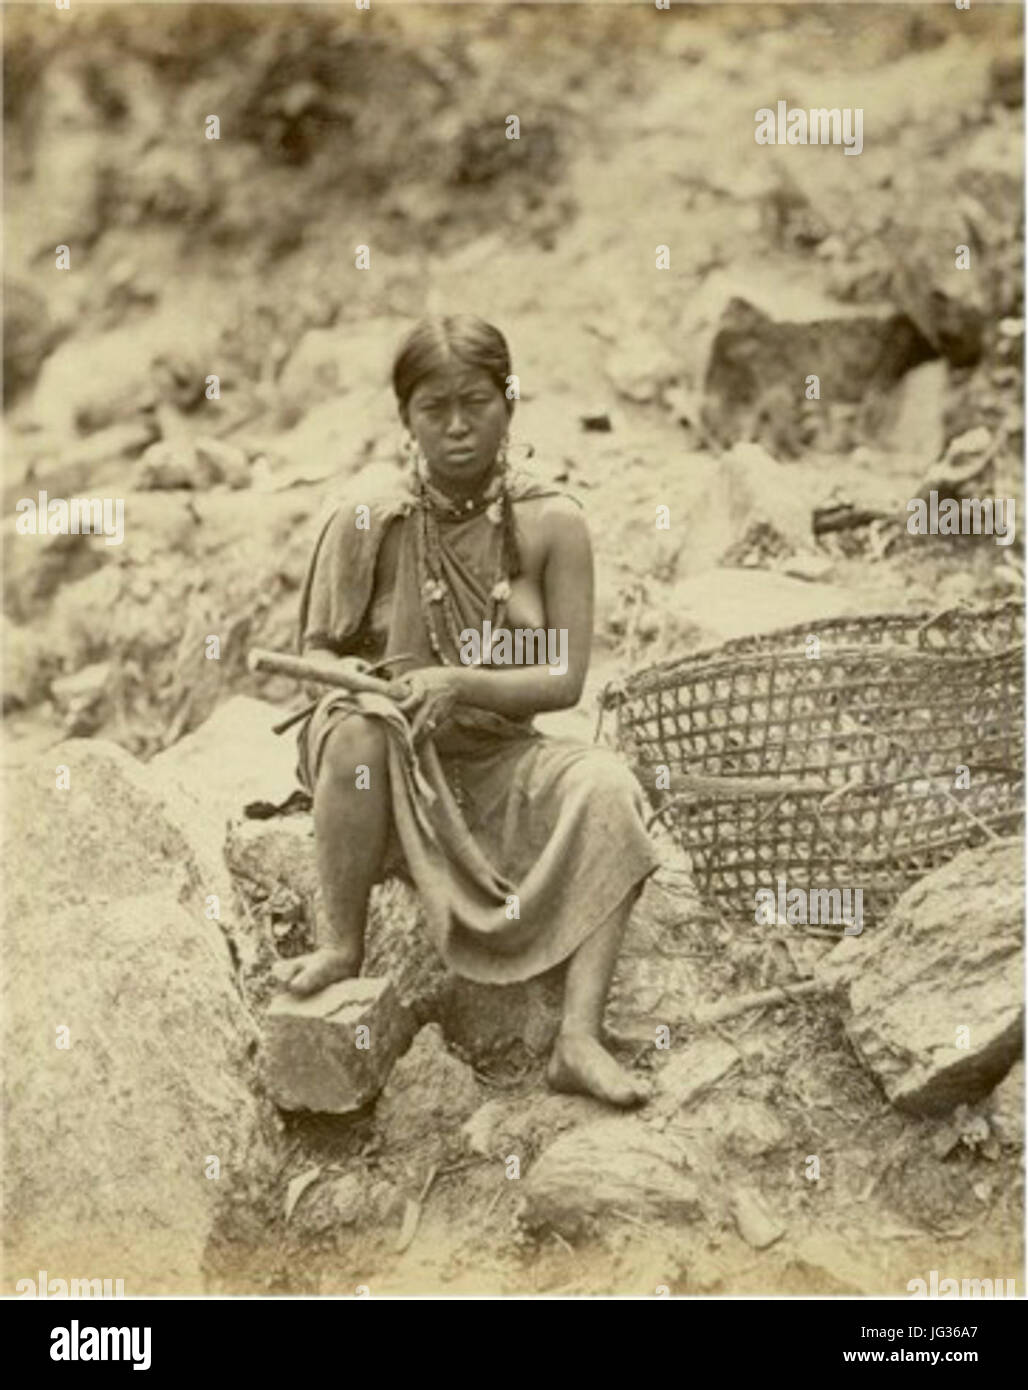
{"points": [[339, 585], [862, 761], [489, 808]]}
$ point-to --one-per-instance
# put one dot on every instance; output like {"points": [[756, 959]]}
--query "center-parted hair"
{"points": [[436, 343]]}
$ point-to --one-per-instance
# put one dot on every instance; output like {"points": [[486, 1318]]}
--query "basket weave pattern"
{"points": [[838, 771]]}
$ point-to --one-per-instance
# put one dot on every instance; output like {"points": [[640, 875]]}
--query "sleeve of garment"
{"points": [[314, 627], [340, 579], [337, 586]]}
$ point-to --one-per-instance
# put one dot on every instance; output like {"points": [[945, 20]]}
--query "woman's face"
{"points": [[458, 416]]}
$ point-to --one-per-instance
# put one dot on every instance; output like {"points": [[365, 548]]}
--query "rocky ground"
{"points": [[842, 1142], [681, 387]]}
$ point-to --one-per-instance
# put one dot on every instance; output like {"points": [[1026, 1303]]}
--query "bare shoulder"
{"points": [[554, 518]]}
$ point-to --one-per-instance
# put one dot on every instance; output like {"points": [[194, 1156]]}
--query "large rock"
{"points": [[486, 1021], [116, 827], [762, 353], [1005, 1107], [937, 1001], [616, 1166], [129, 1136], [233, 760], [428, 1095], [332, 1052]]}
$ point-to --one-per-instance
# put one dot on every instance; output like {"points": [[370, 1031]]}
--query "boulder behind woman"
{"points": [[131, 1127]]}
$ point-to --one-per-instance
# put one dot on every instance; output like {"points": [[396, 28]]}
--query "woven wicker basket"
{"points": [[838, 771]]}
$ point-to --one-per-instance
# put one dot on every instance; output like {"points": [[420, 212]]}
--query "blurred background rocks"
{"points": [[235, 258]]}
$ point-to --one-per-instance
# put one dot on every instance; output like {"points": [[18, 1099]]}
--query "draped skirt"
{"points": [[519, 845]]}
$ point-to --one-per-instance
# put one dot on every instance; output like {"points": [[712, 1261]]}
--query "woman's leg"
{"points": [[351, 831], [580, 1063]]}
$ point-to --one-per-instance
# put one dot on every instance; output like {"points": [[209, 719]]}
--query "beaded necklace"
{"points": [[437, 602]]}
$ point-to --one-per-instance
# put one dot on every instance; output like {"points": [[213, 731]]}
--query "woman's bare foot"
{"points": [[313, 971], [581, 1066]]}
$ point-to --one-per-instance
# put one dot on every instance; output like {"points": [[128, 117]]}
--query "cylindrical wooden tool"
{"points": [[300, 669]]}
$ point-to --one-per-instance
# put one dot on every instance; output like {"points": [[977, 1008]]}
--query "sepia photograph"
{"points": [[513, 658]]}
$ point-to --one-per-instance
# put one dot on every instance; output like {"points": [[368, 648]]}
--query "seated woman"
{"points": [[525, 850]]}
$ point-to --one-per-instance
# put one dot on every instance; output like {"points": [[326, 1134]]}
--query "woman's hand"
{"points": [[433, 692]]}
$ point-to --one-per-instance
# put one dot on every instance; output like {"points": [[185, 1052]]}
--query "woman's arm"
{"points": [[561, 539], [567, 586]]}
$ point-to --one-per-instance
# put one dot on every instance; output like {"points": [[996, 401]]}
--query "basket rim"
{"points": [[660, 675]]}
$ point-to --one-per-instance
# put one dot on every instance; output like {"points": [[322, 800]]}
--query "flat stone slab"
{"points": [[332, 1052]]}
